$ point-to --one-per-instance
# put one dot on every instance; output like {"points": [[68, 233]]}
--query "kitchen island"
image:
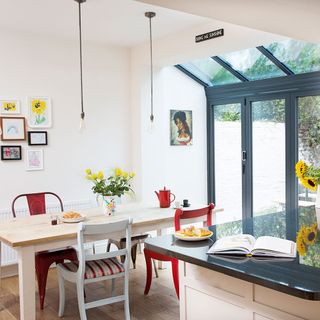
{"points": [[240, 288]]}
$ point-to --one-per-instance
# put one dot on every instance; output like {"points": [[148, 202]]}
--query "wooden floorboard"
{"points": [[160, 304]]}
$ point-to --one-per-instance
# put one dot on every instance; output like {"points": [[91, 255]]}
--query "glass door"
{"points": [[227, 162], [268, 151]]}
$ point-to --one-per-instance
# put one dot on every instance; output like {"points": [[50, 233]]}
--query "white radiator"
{"points": [[8, 255]]}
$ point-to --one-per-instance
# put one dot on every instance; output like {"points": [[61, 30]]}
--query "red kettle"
{"points": [[164, 197]]}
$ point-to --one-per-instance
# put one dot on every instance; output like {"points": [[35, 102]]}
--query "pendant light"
{"points": [[150, 15], [82, 114]]}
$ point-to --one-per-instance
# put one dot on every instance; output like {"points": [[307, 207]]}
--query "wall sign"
{"points": [[210, 35]]}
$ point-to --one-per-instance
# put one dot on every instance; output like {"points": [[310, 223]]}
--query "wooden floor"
{"points": [[160, 304]]}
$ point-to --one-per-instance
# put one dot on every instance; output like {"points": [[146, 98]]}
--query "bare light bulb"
{"points": [[82, 123]]}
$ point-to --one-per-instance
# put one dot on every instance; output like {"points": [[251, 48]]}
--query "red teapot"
{"points": [[164, 197]]}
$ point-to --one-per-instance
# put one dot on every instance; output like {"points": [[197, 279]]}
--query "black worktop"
{"points": [[283, 275]]}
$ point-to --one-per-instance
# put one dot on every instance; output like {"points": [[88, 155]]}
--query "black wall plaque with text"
{"points": [[210, 35]]}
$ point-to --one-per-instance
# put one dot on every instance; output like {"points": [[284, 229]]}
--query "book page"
{"points": [[238, 244], [276, 247]]}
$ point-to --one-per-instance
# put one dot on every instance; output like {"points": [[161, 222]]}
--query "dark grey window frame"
{"points": [[289, 88]]}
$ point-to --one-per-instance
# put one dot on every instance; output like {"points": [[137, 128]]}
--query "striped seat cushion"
{"points": [[97, 268]]}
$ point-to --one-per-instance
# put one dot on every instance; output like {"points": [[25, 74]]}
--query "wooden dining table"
{"points": [[29, 235]]}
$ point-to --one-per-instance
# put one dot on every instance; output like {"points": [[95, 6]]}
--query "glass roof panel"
{"points": [[252, 64], [299, 56], [210, 72]]}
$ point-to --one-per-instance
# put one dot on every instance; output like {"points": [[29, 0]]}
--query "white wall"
{"points": [[45, 66], [183, 169]]}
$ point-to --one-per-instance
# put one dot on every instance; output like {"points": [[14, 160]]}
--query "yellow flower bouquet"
{"points": [[116, 184], [306, 237], [308, 175]]}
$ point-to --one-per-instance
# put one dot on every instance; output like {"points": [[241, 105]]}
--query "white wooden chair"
{"points": [[97, 267]]}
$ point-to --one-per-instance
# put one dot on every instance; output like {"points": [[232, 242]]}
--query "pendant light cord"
{"points": [[80, 42], [150, 15]]}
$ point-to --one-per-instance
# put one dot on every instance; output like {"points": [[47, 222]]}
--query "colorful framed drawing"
{"points": [[181, 127], [39, 112], [11, 153], [34, 159], [13, 128], [37, 138], [9, 106]]}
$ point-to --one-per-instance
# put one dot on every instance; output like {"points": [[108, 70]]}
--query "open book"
{"points": [[246, 244]]}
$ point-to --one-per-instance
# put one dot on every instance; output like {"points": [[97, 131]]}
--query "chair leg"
{"points": [[113, 287], [81, 302], [155, 268], [175, 275], [61, 294], [149, 271], [134, 254], [42, 275]]}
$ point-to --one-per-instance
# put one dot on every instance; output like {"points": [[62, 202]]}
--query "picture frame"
{"points": [[11, 153], [10, 106], [37, 138], [34, 159], [181, 128], [39, 112], [13, 128]]}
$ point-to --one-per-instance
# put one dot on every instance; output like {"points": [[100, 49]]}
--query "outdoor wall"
{"points": [[48, 66]]}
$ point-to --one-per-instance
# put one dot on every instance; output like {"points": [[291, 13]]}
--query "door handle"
{"points": [[244, 159]]}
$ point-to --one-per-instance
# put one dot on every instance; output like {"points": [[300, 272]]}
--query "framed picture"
{"points": [[13, 128], [10, 152], [37, 138], [34, 159], [9, 106], [39, 112], [180, 127]]}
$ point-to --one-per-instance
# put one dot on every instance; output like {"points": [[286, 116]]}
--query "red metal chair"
{"points": [[44, 259], [149, 254]]}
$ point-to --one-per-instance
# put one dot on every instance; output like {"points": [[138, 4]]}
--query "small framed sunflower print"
{"points": [[9, 106], [39, 112]]}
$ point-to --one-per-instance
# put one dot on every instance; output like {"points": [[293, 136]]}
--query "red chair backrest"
{"points": [[36, 202], [188, 214]]}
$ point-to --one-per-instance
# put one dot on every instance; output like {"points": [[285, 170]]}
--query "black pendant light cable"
{"points": [[82, 115], [150, 15]]}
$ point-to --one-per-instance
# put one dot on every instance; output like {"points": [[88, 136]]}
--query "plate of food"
{"points": [[72, 217], [193, 234]]}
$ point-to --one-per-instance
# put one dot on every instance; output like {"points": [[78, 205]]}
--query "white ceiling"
{"points": [[116, 22], [299, 19]]}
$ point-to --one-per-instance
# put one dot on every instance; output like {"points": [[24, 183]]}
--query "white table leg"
{"points": [[160, 232], [27, 283]]}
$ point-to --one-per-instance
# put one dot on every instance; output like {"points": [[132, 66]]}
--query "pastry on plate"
{"points": [[71, 215]]}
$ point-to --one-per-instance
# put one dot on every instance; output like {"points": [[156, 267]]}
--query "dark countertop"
{"points": [[287, 276]]}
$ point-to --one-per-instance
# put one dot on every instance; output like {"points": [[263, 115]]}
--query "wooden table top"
{"points": [[31, 230]]}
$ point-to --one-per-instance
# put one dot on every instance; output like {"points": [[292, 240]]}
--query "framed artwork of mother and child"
{"points": [[180, 127]]}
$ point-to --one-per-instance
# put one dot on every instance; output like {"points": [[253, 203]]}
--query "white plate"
{"points": [[72, 220], [187, 238]]}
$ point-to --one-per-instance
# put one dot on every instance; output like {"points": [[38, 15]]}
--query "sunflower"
{"points": [[301, 247], [309, 183], [38, 106], [310, 237], [301, 169]]}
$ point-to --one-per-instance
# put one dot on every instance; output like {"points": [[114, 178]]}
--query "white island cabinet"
{"points": [[211, 295]]}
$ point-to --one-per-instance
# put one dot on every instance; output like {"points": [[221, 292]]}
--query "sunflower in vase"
{"points": [[308, 175], [306, 237]]}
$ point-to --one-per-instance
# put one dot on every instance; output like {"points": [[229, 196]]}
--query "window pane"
{"points": [[228, 175], [252, 64], [299, 56], [212, 71], [268, 168], [309, 151]]}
